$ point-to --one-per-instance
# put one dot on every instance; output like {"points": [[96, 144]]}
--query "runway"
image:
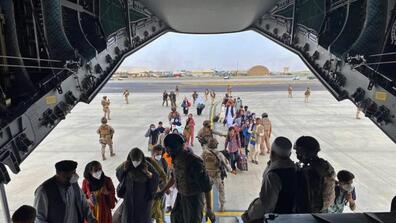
{"points": [[238, 85]]}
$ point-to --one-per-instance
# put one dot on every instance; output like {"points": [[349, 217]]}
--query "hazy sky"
{"points": [[174, 51]]}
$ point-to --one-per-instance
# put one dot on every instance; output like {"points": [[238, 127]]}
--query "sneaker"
{"points": [[234, 172], [112, 154]]}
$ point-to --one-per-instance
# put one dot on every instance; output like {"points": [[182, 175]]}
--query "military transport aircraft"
{"points": [[57, 53]]}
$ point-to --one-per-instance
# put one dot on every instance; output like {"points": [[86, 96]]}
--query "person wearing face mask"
{"points": [[345, 192], [152, 133], [192, 182], [100, 192], [138, 184], [161, 166], [315, 178], [60, 199]]}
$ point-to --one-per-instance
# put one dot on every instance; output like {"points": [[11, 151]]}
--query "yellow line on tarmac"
{"points": [[229, 214]]}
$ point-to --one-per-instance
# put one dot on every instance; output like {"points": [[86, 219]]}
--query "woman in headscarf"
{"points": [[188, 132], [139, 182], [100, 192]]}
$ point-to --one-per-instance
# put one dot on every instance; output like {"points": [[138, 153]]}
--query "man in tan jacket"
{"points": [[265, 146], [259, 136]]}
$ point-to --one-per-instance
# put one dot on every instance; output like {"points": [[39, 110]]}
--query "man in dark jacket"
{"points": [[60, 199], [165, 96], [278, 189], [279, 179], [172, 98]]}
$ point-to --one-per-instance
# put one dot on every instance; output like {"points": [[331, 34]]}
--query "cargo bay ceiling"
{"points": [[54, 54]]}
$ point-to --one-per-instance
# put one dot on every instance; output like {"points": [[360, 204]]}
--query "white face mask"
{"points": [[158, 157], [136, 163], [74, 179], [152, 129], [348, 187], [97, 174]]}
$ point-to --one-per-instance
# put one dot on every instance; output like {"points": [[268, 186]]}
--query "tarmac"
{"points": [[356, 145]]}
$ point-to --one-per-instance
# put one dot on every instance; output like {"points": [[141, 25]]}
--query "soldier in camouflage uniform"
{"points": [[192, 182], [213, 160], [265, 145], [307, 93], [106, 107], [206, 133], [126, 95], [316, 178], [106, 133]]}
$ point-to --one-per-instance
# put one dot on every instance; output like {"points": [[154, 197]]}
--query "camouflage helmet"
{"points": [[212, 143], [206, 123]]}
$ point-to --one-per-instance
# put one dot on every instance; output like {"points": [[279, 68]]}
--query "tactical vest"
{"points": [[104, 131], [211, 163], [105, 103], [56, 206]]}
